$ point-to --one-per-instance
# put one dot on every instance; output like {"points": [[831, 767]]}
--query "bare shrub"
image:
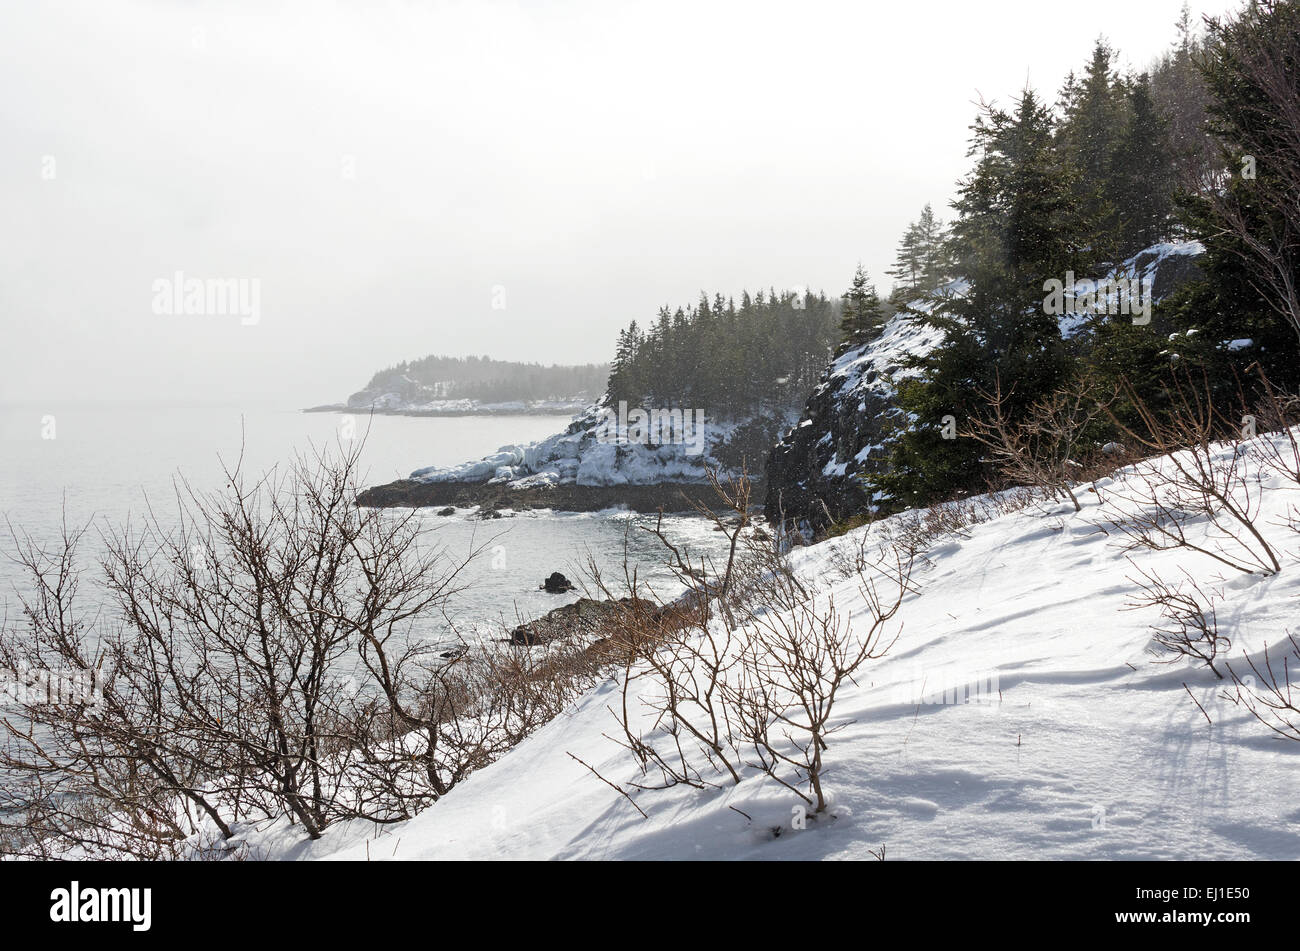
{"points": [[1042, 449], [1278, 414], [1190, 625], [1199, 476], [746, 677], [264, 653], [914, 532], [1267, 690], [794, 666]]}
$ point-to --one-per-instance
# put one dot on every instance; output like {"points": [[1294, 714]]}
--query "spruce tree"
{"points": [[921, 264], [1180, 95], [862, 314], [733, 362], [1095, 117], [908, 265], [1018, 226], [1244, 316], [1142, 174], [936, 269]]}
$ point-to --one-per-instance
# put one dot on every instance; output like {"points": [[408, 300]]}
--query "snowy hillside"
{"points": [[1021, 713], [848, 415]]}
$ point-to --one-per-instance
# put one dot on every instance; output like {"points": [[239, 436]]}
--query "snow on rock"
{"points": [[1081, 747], [1158, 269], [815, 468], [586, 454]]}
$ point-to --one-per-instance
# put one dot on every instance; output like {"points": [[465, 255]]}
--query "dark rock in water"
{"points": [[557, 584], [449, 510], [583, 618], [597, 622]]}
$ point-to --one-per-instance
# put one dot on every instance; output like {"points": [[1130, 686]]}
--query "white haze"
{"points": [[593, 160]]}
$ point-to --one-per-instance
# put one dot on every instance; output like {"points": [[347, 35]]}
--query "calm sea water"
{"points": [[101, 463]]}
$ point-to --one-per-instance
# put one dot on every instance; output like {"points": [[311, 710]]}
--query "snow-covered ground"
{"points": [[1081, 745]]}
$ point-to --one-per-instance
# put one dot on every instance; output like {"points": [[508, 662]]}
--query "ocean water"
{"points": [[100, 464]]}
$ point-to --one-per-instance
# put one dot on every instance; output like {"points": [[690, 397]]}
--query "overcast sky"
{"points": [[512, 179]]}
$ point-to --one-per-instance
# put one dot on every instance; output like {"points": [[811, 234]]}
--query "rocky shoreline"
{"points": [[567, 497], [558, 411]]}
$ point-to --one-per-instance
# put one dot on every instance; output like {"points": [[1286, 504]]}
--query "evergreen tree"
{"points": [[922, 262], [1018, 226], [1142, 174], [1245, 314], [1094, 119], [1181, 98], [936, 267], [622, 371], [908, 267], [732, 362], [862, 314]]}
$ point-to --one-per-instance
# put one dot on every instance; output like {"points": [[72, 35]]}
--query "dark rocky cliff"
{"points": [[814, 472]]}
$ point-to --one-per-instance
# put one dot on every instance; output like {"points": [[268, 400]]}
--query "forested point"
{"points": [[734, 360], [489, 381]]}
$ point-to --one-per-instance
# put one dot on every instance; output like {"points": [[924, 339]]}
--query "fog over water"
{"points": [[509, 178]]}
